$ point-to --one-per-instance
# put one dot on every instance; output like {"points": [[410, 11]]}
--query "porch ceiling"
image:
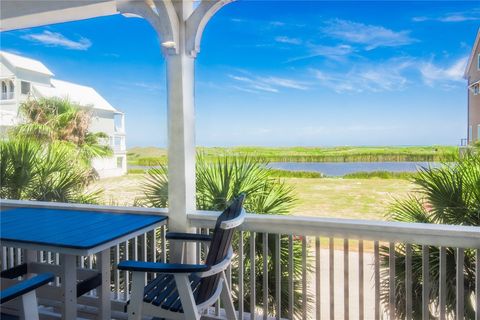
{"points": [[32, 13]]}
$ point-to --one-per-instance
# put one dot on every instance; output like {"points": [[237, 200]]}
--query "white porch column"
{"points": [[181, 128], [181, 140], [181, 135], [179, 26]]}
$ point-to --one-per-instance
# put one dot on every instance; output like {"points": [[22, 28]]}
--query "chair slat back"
{"points": [[219, 246]]}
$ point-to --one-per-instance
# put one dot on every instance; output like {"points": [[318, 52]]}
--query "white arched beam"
{"points": [[161, 15], [196, 23]]}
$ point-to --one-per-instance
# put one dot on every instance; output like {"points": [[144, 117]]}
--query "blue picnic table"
{"points": [[73, 233]]}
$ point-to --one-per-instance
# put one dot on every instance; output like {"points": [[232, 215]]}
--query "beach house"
{"points": [[23, 78], [472, 74]]}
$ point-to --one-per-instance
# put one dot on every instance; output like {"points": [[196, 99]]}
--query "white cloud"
{"points": [[473, 15], [148, 86], [369, 35], [337, 53], [56, 39], [285, 83], [254, 84], [367, 78], [433, 74], [266, 84], [285, 39], [277, 23]]}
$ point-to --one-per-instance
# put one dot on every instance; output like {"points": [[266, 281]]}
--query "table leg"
{"points": [[29, 256], [69, 286], [103, 266]]}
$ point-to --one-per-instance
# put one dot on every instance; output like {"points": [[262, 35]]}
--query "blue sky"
{"points": [[283, 73]]}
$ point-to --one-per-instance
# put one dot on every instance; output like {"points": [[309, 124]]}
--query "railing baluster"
{"points": [[460, 289], [164, 245], [4, 258], [198, 247], [154, 247], [477, 284], [143, 243], [11, 261], [117, 272], [290, 277], [304, 278], [408, 281], [426, 282], [252, 276], [331, 274], [240, 276], [346, 284], [278, 277], [361, 307], [135, 248], [391, 293], [153, 250], [19, 256], [318, 283], [265, 275], [376, 255], [442, 294], [127, 273]]}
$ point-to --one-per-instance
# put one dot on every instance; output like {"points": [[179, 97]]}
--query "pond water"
{"points": [[337, 169]]}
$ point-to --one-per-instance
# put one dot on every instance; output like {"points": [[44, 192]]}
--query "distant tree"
{"points": [[54, 119]]}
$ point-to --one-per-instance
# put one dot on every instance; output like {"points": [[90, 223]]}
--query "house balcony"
{"points": [[314, 268], [117, 143]]}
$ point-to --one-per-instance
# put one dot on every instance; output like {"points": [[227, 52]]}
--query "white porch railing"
{"points": [[341, 272], [328, 269]]}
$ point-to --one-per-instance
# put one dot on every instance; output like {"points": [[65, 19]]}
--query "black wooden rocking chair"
{"points": [[184, 291]]}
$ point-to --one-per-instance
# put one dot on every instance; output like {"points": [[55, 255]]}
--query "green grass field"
{"points": [[151, 155], [319, 197]]}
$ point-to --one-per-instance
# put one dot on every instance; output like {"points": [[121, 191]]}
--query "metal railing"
{"points": [[291, 267], [463, 142]]}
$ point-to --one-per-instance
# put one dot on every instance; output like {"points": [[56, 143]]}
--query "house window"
{"points": [[470, 133], [25, 87], [476, 89], [478, 62]]}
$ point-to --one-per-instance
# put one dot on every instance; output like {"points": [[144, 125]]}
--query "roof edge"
{"points": [[470, 59]]}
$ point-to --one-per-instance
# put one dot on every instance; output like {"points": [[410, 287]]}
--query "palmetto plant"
{"points": [[55, 119], [48, 172], [447, 195], [218, 182]]}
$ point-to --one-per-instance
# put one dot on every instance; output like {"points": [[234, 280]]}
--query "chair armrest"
{"points": [[25, 286], [132, 265], [188, 237]]}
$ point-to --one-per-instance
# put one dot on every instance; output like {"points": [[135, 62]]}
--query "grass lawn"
{"points": [[348, 198], [120, 191], [319, 197]]}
